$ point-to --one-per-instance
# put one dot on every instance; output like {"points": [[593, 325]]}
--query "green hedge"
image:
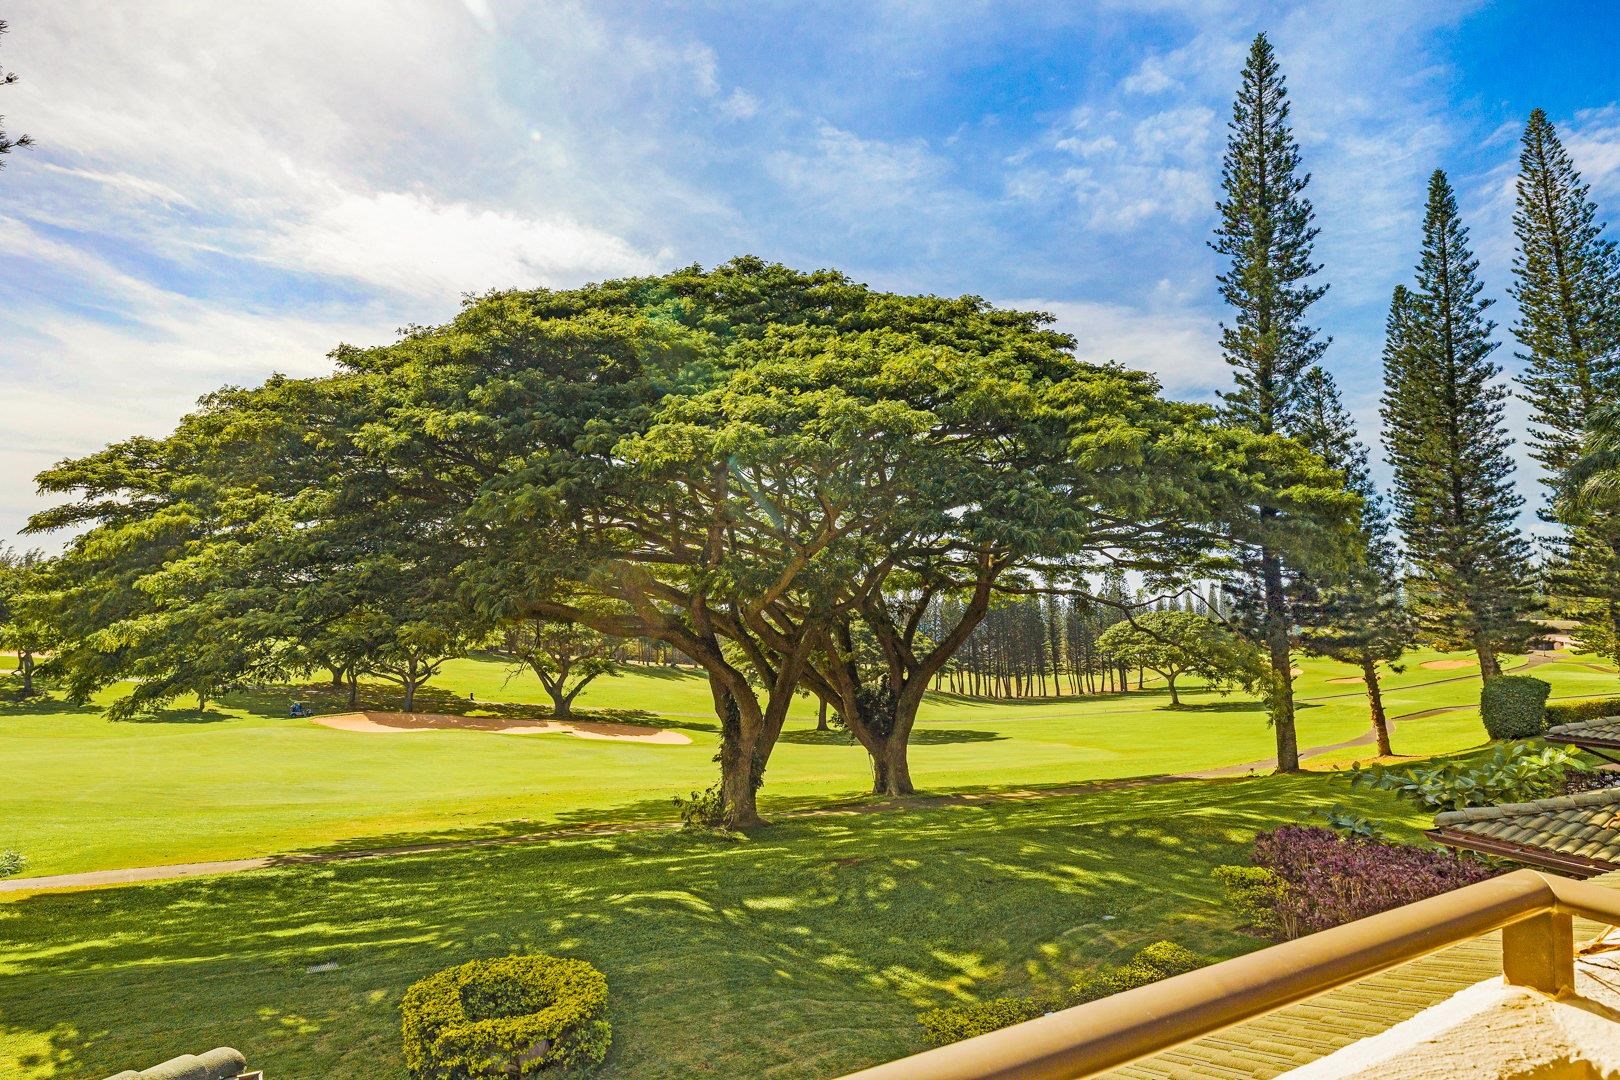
{"points": [[954, 1023], [1570, 712], [957, 1022], [1159, 960], [1514, 706], [513, 1016]]}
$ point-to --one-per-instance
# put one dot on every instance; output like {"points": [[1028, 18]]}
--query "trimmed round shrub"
{"points": [[1514, 706], [513, 1016]]}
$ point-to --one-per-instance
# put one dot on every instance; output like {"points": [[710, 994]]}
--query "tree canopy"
{"points": [[794, 480], [1177, 643]]}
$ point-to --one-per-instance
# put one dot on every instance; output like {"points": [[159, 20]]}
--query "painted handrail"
{"points": [[1534, 912]]}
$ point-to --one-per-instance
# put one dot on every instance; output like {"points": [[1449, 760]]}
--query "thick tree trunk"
{"points": [[1489, 666], [25, 667], [891, 768], [410, 695], [1175, 699], [337, 677], [745, 745], [1375, 701], [1282, 663], [353, 679], [562, 705], [821, 718]]}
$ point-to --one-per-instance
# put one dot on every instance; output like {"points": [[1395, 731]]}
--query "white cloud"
{"points": [[1179, 345], [74, 384], [409, 242], [739, 105], [1161, 171], [241, 193], [857, 173], [481, 14], [1150, 77], [1593, 141]]}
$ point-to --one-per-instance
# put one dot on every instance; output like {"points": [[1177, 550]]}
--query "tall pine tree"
{"points": [[1267, 231], [1442, 410], [1567, 284], [1356, 617]]}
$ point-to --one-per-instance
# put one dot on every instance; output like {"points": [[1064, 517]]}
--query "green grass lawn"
{"points": [[243, 779], [805, 951]]}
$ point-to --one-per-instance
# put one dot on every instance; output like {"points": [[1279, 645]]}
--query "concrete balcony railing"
{"points": [[1534, 911]]}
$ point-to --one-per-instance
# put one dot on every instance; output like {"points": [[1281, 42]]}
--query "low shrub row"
{"points": [[957, 1022], [1306, 879], [1572, 712], [954, 1023]]}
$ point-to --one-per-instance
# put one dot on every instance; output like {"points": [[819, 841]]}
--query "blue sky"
{"points": [[216, 196]]}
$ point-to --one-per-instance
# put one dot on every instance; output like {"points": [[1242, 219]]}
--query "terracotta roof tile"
{"points": [[1603, 728], [1586, 825]]}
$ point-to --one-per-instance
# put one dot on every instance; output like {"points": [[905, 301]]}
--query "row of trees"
{"points": [[1054, 643], [1463, 576]]}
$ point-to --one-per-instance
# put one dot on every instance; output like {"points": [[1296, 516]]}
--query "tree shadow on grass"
{"points": [[43, 704], [1226, 706], [920, 736], [275, 702], [841, 929], [180, 716], [813, 737], [661, 671]]}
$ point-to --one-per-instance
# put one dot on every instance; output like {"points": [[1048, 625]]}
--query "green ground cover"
{"points": [[243, 779], [805, 951]]}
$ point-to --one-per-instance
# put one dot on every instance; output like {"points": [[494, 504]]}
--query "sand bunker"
{"points": [[1347, 680], [396, 723], [1448, 665]]}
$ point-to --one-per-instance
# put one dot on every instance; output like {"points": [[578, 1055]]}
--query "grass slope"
{"points": [[804, 952], [243, 779]]}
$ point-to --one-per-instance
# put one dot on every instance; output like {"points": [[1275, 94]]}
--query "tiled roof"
{"points": [[1602, 730], [1585, 826], [1269, 1046]]}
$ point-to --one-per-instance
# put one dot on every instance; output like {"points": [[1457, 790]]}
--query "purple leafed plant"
{"points": [[1323, 879]]}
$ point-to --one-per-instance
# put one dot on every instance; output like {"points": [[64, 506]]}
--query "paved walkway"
{"points": [[134, 874]]}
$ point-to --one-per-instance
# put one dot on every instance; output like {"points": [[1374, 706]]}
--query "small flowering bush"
{"points": [[1306, 879]]}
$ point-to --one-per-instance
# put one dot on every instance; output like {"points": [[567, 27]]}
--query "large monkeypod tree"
{"points": [[764, 469]]}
